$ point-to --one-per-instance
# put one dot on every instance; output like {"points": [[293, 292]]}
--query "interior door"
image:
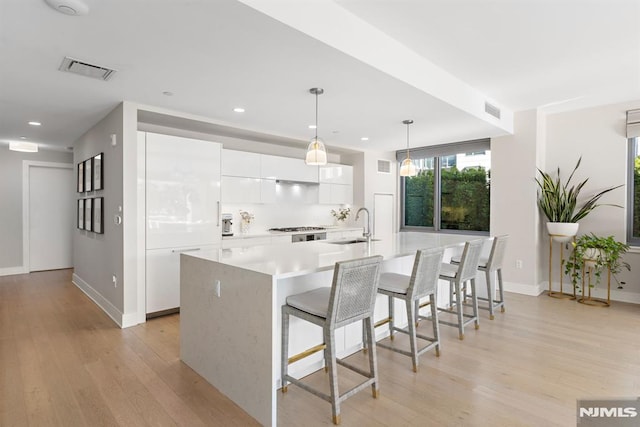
{"points": [[383, 215], [51, 217]]}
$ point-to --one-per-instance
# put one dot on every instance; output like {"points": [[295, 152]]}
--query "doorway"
{"points": [[383, 207], [48, 215]]}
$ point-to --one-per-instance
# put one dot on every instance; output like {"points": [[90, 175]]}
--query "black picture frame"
{"points": [[88, 175], [98, 215], [80, 178], [81, 214], [98, 174], [88, 215]]}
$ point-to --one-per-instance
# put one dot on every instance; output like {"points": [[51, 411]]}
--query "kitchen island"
{"points": [[230, 309]]}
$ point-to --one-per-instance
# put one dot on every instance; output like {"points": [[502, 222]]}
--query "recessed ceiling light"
{"points": [[239, 110], [364, 138], [35, 123], [23, 137], [312, 126], [167, 93]]}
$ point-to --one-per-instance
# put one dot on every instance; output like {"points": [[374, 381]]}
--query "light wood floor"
{"points": [[63, 362]]}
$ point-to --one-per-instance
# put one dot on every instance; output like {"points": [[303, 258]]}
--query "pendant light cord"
{"points": [[408, 140], [316, 116]]}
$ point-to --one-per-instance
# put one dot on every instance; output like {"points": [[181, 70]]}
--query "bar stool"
{"points": [[458, 275], [492, 266], [423, 282], [351, 298]]}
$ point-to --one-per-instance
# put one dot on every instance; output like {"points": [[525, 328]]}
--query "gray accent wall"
{"points": [[99, 257], [11, 202]]}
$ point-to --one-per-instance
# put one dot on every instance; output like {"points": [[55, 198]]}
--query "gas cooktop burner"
{"points": [[294, 229]]}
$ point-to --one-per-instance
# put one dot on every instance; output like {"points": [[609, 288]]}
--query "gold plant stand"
{"points": [[586, 297], [561, 294]]}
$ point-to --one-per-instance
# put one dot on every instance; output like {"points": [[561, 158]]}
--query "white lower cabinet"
{"points": [[163, 277]]}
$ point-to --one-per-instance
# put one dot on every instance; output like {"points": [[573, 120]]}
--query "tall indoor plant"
{"points": [[559, 203]]}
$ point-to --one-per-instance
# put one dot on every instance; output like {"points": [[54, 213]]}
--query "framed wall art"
{"points": [[88, 215], [80, 177], [97, 215], [81, 213], [97, 172], [88, 175]]}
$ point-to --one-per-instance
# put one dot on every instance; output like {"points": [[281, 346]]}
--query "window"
{"points": [[634, 192], [451, 190]]}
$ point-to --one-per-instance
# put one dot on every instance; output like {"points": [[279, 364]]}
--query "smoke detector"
{"points": [[69, 7]]}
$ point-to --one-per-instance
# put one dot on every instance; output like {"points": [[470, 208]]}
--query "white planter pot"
{"points": [[591, 257], [562, 231]]}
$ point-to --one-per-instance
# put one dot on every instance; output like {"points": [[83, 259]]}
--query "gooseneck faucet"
{"points": [[366, 233]]}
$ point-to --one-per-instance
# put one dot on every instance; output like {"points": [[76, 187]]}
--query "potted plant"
{"points": [[598, 254], [341, 215], [559, 203]]}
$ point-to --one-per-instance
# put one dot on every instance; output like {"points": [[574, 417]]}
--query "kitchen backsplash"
{"points": [[268, 216]]}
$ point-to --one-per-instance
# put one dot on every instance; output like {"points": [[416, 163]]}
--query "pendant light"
{"points": [[316, 153], [407, 168]]}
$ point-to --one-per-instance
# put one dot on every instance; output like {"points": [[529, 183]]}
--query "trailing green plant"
{"points": [[559, 201], [602, 253]]}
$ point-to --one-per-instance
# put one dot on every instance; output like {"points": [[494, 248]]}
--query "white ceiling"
{"points": [[215, 55]]}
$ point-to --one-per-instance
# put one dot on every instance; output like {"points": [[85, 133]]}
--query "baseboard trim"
{"points": [[524, 289], [10, 271], [106, 306]]}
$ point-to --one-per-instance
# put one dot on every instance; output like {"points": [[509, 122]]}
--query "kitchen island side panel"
{"points": [[228, 339]]}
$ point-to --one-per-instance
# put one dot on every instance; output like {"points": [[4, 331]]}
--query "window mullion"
{"points": [[437, 188]]}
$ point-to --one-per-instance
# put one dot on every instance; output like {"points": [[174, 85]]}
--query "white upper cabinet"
{"points": [[334, 173], [240, 163], [288, 169]]}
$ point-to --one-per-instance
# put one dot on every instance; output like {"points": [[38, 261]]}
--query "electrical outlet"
{"points": [[518, 263]]}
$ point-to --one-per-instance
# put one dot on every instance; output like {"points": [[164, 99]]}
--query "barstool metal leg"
{"points": [[459, 310], [500, 288], [474, 298], [373, 362], [490, 292], [391, 317], [434, 322], [285, 351], [411, 327], [333, 375]]}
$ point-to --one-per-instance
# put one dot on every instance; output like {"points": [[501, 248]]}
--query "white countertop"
{"points": [[266, 233], [296, 259]]}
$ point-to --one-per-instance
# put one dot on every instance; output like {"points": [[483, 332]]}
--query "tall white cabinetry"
{"points": [[182, 190]]}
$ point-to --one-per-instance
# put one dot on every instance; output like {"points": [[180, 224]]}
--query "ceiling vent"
{"points": [[384, 166], [85, 69], [492, 110]]}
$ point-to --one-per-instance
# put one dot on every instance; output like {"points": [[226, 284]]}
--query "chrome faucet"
{"points": [[366, 233]]}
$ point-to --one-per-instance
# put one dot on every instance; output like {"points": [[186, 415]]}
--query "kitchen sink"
{"points": [[350, 241]]}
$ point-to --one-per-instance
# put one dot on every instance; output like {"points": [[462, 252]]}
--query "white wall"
{"points": [[11, 216], [513, 202], [550, 141], [598, 135]]}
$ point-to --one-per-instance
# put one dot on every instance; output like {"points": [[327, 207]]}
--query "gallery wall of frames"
{"points": [[90, 179]]}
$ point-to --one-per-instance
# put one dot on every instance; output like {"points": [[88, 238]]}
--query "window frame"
{"points": [[449, 149], [631, 191]]}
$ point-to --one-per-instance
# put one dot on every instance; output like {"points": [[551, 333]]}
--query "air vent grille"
{"points": [[492, 110], [384, 166], [86, 69]]}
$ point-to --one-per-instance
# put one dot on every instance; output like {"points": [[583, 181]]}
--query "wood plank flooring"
{"points": [[63, 362]]}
